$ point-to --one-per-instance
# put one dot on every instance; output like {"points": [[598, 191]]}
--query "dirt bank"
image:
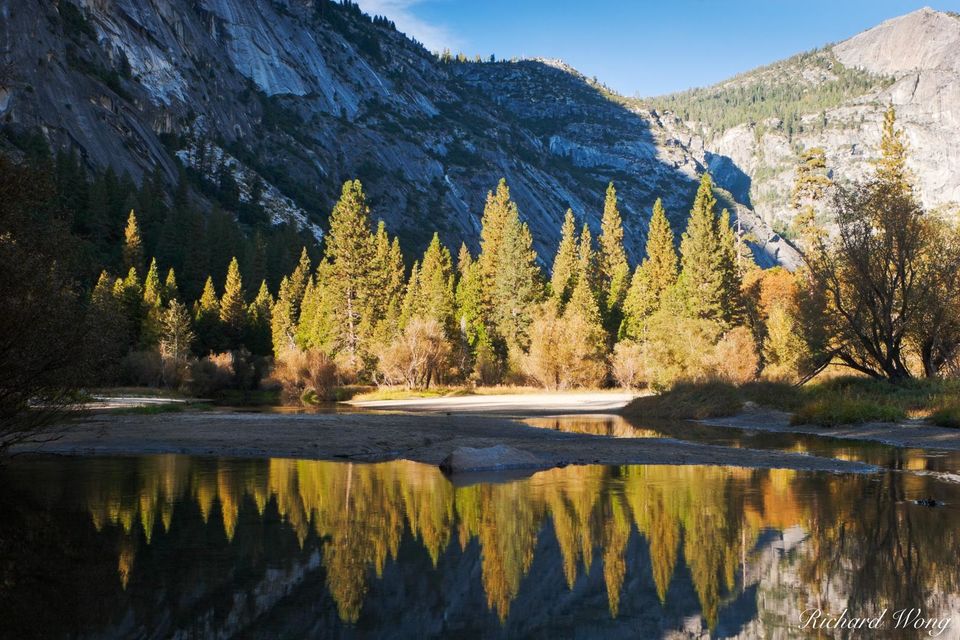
{"points": [[372, 437], [911, 434]]}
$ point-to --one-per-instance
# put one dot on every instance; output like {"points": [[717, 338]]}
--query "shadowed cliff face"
{"points": [[300, 95]]}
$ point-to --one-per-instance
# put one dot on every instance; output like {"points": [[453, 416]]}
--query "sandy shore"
{"points": [[911, 434], [424, 438], [524, 404]]}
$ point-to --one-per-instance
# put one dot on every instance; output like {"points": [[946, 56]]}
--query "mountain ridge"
{"points": [[911, 62], [298, 96]]}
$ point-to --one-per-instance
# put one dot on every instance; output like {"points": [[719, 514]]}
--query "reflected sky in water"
{"points": [[162, 545]]}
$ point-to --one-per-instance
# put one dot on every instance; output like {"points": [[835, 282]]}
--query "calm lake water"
{"points": [[171, 545]]}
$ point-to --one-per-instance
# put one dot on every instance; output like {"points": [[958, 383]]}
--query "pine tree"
{"points": [[655, 275], [411, 296], [810, 187], [435, 298], [730, 268], [588, 268], [811, 181], [152, 290], [196, 255], [464, 259], [509, 279], [386, 281], [298, 284], [207, 320], [701, 277], [282, 319], [496, 213], [661, 251], [170, 290], [583, 305], [103, 291], [891, 167], [153, 306], [563, 278], [349, 251], [108, 325], [233, 308], [258, 334], [285, 313], [317, 327], [614, 268], [129, 294], [132, 244], [470, 304]]}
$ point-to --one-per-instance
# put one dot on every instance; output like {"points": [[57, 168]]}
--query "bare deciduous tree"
{"points": [[418, 356]]}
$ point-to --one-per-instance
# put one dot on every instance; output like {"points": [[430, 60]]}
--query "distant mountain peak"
{"points": [[922, 40]]}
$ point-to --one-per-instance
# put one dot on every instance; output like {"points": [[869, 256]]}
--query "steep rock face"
{"points": [[916, 59], [298, 96]]}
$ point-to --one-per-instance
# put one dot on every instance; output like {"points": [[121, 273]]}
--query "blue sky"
{"points": [[641, 47]]}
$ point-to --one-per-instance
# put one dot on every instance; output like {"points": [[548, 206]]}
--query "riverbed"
{"points": [[340, 524]]}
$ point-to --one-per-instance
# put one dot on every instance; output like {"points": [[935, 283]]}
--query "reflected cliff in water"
{"points": [[172, 544]]}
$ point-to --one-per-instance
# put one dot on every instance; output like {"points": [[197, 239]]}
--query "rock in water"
{"points": [[498, 458]]}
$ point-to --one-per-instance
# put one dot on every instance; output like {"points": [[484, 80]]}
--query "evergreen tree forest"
{"points": [[160, 293]]}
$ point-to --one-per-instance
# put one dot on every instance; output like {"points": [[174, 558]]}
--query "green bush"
{"points": [[768, 393], [689, 400], [834, 410], [153, 409], [843, 400], [947, 414]]}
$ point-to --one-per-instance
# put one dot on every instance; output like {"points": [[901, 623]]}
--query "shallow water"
{"points": [[176, 545], [945, 464]]}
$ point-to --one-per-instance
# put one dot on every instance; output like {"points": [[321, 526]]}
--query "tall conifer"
{"points": [[730, 270], [517, 282], [563, 278], [258, 335], [349, 251], [702, 258], [656, 274], [891, 167], [435, 298], [132, 244], [233, 308], [614, 268], [170, 289], [207, 319], [153, 306], [282, 320]]}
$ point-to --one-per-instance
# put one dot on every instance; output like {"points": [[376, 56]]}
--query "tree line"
{"points": [[358, 315], [878, 294]]}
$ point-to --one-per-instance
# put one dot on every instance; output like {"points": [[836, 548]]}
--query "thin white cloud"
{"points": [[434, 37]]}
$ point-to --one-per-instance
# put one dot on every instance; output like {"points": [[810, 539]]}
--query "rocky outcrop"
{"points": [[298, 96], [496, 458], [919, 55]]}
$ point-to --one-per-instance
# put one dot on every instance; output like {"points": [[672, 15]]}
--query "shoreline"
{"points": [[376, 437], [513, 405], [914, 434]]}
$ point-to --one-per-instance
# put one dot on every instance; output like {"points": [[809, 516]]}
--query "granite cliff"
{"points": [[293, 97], [834, 98]]}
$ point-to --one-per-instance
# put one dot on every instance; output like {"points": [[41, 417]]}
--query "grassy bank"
{"points": [[845, 400]]}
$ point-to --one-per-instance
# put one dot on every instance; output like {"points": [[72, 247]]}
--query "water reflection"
{"points": [[944, 464], [596, 425], [172, 544]]}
